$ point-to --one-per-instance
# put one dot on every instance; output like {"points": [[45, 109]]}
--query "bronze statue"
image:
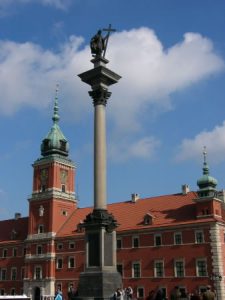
{"points": [[99, 43]]}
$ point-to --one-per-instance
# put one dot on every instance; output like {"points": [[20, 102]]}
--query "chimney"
{"points": [[185, 189], [17, 216], [134, 197]]}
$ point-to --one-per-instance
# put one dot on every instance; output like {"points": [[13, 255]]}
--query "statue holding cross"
{"points": [[99, 43]]}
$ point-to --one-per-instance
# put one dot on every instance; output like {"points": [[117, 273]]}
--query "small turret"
{"points": [[55, 142], [207, 184]]}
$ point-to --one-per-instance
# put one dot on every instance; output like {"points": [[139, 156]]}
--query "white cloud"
{"points": [[150, 74], [144, 148], [213, 140]]}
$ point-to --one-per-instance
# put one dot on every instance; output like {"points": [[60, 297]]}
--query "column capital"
{"points": [[100, 96]]}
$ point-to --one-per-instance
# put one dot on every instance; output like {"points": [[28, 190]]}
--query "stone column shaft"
{"points": [[99, 157]]}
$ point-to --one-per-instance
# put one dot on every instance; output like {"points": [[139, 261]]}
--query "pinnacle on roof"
{"points": [[55, 142], [206, 183]]}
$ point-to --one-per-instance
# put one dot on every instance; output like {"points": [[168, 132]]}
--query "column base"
{"points": [[98, 285]]}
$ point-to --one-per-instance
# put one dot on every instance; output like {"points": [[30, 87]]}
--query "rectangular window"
{"points": [[40, 228], [158, 239], [39, 249], [13, 291], [120, 269], [179, 268], [60, 246], [71, 262], [71, 245], [59, 263], [140, 292], [201, 267], [24, 251], [38, 273], [199, 237], [4, 253], [14, 252], [22, 273], [119, 243], [2, 292], [3, 274], [177, 238], [135, 241], [136, 270], [159, 268], [63, 188], [13, 273]]}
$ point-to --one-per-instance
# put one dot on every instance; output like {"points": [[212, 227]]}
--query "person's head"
{"points": [[208, 287]]}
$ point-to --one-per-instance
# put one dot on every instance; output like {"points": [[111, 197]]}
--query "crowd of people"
{"points": [[158, 294]]}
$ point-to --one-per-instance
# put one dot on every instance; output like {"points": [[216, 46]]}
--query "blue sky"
{"points": [[167, 106]]}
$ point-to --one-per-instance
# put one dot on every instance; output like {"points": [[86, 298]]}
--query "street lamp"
{"points": [[216, 277]]}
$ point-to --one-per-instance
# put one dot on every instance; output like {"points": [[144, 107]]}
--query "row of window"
{"points": [[14, 252], [159, 272], [13, 274], [39, 250], [70, 263], [38, 270], [199, 239]]}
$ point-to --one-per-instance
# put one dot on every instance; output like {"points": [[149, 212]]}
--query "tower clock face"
{"points": [[44, 175]]}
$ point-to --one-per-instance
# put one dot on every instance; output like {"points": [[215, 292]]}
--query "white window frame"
{"points": [[196, 236], [135, 238], [161, 261], [59, 246], [138, 295], [13, 275], [59, 266], [176, 234], [38, 252], [197, 267], [72, 244], [175, 268], [69, 262], [13, 291], [14, 252], [38, 270], [133, 271], [4, 252], [40, 228], [5, 271], [155, 238]]}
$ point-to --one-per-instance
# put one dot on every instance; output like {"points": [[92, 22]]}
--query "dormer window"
{"points": [[148, 219]]}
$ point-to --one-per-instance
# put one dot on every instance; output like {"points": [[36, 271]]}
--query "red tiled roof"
{"points": [[19, 226], [166, 210]]}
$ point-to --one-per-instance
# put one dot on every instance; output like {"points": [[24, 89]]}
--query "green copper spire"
{"points": [[55, 142], [207, 184], [55, 117]]}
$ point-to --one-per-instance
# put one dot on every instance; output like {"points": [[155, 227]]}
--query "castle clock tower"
{"points": [[50, 205]]}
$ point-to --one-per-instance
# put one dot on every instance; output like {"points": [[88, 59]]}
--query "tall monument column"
{"points": [[100, 278]]}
